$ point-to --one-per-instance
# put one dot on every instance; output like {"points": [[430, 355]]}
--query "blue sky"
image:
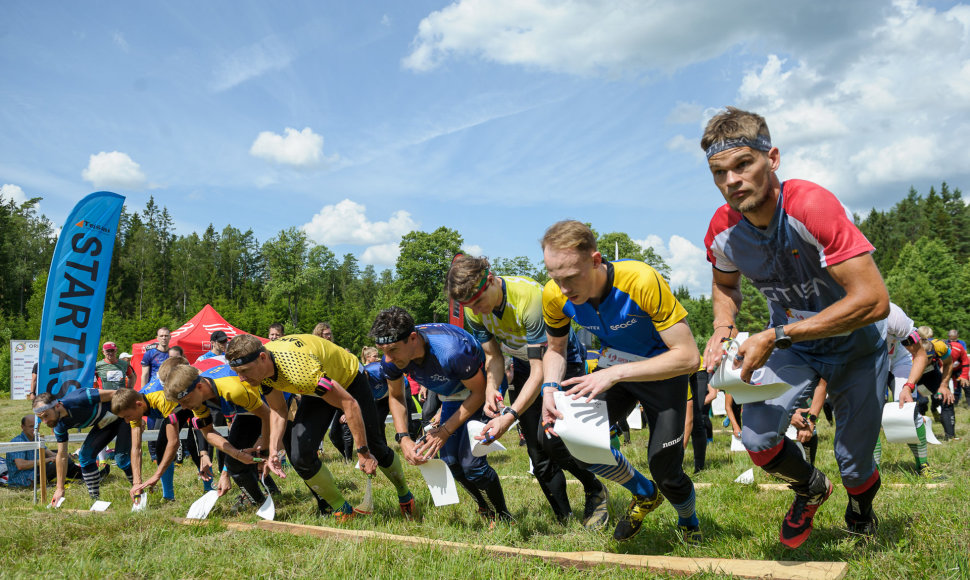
{"points": [[360, 121]]}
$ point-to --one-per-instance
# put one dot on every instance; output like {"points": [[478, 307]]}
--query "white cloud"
{"points": [[688, 263], [587, 37], [385, 20], [119, 39], [301, 149], [250, 62], [114, 170], [473, 250], [347, 223], [887, 111], [12, 192], [381, 255]]}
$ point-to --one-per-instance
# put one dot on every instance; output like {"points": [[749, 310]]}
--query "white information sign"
{"points": [[23, 355]]}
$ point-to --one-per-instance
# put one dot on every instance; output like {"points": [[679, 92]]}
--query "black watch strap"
{"points": [[363, 450], [782, 340], [399, 436]]}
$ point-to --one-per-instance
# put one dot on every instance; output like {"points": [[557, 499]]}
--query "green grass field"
{"points": [[923, 532]]}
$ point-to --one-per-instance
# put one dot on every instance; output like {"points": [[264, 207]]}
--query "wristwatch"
{"points": [[363, 450], [399, 436], [782, 340]]}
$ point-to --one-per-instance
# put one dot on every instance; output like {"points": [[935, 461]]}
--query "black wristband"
{"points": [[510, 410], [363, 450]]}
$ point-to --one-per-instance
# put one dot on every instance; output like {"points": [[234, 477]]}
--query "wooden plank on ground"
{"points": [[784, 486], [668, 564]]}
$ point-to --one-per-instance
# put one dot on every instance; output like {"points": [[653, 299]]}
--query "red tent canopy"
{"points": [[193, 337]]}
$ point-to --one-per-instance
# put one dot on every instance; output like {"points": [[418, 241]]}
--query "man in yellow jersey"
{"points": [[648, 353], [318, 370], [150, 401], [219, 390], [505, 314]]}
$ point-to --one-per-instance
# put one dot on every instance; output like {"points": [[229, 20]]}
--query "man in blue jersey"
{"points": [[799, 246], [648, 354], [83, 408], [504, 313], [448, 361]]}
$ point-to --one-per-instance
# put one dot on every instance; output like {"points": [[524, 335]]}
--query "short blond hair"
{"points": [[170, 363], [124, 399], [242, 345], [569, 235], [925, 332], [180, 379], [734, 123]]}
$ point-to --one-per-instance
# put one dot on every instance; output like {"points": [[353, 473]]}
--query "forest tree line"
{"points": [[159, 278]]}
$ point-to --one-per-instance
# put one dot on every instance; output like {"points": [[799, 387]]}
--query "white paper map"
{"points": [[899, 424], [727, 378], [141, 504], [585, 429], [441, 483], [479, 449]]}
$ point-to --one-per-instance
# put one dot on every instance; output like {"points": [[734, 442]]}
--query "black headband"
{"points": [[189, 389], [382, 340], [238, 362]]}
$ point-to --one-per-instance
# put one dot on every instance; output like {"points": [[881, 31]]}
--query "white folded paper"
{"points": [[930, 437], [100, 506], [585, 429], [141, 503], [899, 424], [747, 478], [200, 508], [736, 444], [441, 483], [635, 420], [792, 434], [728, 379], [717, 405], [479, 449], [267, 511]]}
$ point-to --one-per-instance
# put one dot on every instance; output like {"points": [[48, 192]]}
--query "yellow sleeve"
{"points": [[655, 298], [233, 390], [552, 305]]}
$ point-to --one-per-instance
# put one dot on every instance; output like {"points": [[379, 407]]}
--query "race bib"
{"points": [[114, 376], [610, 357], [108, 419]]}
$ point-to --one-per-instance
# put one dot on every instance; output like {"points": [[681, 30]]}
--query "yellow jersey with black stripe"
{"points": [[636, 306], [517, 322], [307, 365], [158, 406], [233, 397]]}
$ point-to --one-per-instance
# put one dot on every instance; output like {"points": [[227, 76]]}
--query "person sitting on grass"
{"points": [[22, 465]]}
